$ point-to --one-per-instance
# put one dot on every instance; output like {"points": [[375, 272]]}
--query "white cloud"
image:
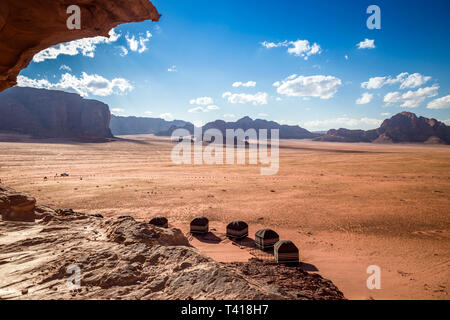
{"points": [[138, 44], [386, 114], [244, 84], [166, 116], [342, 122], [86, 47], [203, 109], [346, 57], [263, 115], [229, 115], [202, 101], [197, 109], [85, 85], [148, 113], [172, 69], [124, 51], [365, 98], [117, 111], [259, 98], [366, 44], [411, 99], [324, 87], [414, 80], [65, 68], [441, 103], [299, 48], [405, 79]]}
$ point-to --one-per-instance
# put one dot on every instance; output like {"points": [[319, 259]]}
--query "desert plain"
{"points": [[346, 206]]}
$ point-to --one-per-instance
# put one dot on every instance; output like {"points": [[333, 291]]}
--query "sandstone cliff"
{"points": [[29, 26], [53, 114]]}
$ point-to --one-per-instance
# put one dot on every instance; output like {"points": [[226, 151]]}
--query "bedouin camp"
{"points": [[200, 225]]}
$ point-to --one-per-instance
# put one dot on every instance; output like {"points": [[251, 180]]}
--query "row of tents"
{"points": [[266, 239]]}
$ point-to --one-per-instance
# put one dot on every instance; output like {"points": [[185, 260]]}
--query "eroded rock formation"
{"points": [[29, 26], [53, 114], [16, 206], [126, 259], [403, 127]]}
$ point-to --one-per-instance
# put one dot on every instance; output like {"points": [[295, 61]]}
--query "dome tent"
{"points": [[286, 252], [161, 222], [265, 239], [200, 225], [237, 230]]}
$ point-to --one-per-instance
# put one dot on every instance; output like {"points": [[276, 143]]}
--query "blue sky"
{"points": [[296, 62]]}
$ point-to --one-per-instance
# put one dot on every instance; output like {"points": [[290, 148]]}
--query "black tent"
{"points": [[200, 225], [161, 222], [237, 230], [286, 252], [265, 239]]}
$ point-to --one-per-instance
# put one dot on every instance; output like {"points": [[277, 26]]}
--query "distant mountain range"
{"points": [[56, 114], [285, 131], [403, 127]]}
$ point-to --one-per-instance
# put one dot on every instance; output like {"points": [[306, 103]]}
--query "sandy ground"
{"points": [[346, 206]]}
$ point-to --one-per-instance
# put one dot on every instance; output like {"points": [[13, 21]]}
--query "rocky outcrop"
{"points": [[141, 125], [346, 135], [29, 26], [407, 127], [16, 206], [285, 131], [403, 127], [126, 259], [53, 114]]}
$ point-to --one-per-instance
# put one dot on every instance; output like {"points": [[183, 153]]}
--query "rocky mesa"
{"points": [[53, 114]]}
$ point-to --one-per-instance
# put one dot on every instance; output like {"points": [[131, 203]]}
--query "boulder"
{"points": [[16, 206]]}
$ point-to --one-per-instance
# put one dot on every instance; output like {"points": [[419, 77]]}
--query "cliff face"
{"points": [[29, 26], [53, 114], [403, 127], [137, 125]]}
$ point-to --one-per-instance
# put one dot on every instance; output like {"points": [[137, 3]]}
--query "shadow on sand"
{"points": [[208, 238]]}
